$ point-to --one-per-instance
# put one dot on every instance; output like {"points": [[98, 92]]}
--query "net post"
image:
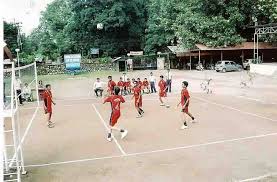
{"points": [[36, 80]]}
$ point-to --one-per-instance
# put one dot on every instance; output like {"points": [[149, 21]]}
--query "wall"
{"points": [[54, 69]]}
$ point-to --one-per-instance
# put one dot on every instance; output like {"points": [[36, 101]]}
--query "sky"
{"points": [[25, 11]]}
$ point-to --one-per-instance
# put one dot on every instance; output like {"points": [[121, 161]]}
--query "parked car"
{"points": [[224, 66]]}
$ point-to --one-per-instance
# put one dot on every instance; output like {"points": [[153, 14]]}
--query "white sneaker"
{"points": [[123, 134], [139, 116], [184, 127], [162, 104], [109, 138], [193, 121], [167, 106]]}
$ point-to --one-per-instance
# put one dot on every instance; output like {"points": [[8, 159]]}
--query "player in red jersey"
{"points": [[111, 85], [138, 99], [185, 97], [140, 83], [48, 101], [128, 86], [120, 84], [115, 101], [145, 84], [162, 91]]}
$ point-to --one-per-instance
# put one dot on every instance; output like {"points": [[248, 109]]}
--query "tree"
{"points": [[160, 24], [10, 35], [124, 25]]}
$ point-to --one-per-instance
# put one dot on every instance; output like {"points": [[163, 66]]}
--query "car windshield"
{"points": [[219, 62]]}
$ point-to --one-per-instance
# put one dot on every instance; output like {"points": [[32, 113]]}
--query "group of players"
{"points": [[136, 87], [115, 97]]}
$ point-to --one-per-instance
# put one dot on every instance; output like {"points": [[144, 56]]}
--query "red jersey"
{"points": [[137, 92], [184, 97], [47, 97], [127, 84], [120, 84], [115, 101], [111, 85], [140, 84], [162, 85], [145, 83]]}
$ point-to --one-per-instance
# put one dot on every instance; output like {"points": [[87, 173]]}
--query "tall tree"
{"points": [[123, 21]]}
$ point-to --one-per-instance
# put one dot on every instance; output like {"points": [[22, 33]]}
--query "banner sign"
{"points": [[94, 51], [136, 53], [72, 61]]}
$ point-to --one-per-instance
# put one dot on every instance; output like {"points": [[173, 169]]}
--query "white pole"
{"points": [[1, 97], [36, 80], [20, 145], [254, 46]]}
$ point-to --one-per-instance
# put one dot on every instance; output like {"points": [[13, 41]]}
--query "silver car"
{"points": [[224, 66]]}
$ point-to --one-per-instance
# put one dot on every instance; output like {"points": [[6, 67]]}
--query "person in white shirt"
{"points": [[27, 93], [168, 80], [98, 87], [18, 86], [152, 80]]}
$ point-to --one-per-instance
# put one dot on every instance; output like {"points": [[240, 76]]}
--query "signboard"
{"points": [[94, 51], [72, 61], [135, 53]]}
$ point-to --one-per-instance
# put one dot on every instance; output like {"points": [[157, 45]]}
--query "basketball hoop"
{"points": [[99, 26]]}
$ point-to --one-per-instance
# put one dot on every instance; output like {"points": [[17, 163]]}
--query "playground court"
{"points": [[233, 140]]}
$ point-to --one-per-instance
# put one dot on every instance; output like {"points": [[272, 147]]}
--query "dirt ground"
{"points": [[234, 138]]}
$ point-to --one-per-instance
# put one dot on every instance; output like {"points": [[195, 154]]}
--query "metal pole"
{"points": [[254, 47], [190, 60], [36, 82], [258, 47], [1, 94], [199, 57]]}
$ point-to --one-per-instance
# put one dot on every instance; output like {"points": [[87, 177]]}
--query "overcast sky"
{"points": [[25, 11]]}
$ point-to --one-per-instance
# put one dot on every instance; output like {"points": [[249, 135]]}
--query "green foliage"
{"points": [[124, 25], [10, 36], [70, 26]]}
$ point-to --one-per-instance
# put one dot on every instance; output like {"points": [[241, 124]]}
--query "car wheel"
{"points": [[217, 70], [239, 69], [224, 70]]}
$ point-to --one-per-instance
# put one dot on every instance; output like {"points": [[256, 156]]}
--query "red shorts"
{"points": [[114, 118], [138, 103], [48, 110], [186, 109], [162, 94]]}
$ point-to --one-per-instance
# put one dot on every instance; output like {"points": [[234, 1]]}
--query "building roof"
{"points": [[177, 49], [242, 46]]}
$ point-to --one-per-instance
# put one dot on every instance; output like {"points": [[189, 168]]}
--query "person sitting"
{"points": [[98, 87], [27, 93], [145, 84]]}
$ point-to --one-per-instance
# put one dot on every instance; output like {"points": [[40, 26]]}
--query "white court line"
{"points": [[232, 108], [157, 151], [107, 128], [259, 177], [24, 135], [258, 100]]}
